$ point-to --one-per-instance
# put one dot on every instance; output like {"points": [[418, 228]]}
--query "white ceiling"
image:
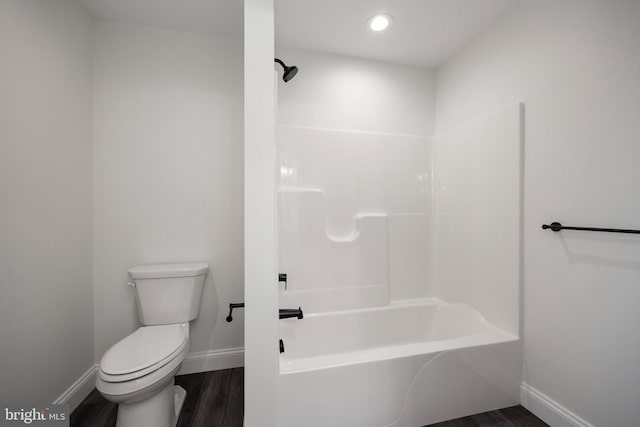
{"points": [[221, 17], [424, 32]]}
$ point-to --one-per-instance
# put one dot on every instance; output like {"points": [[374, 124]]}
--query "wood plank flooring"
{"points": [[515, 416], [215, 399]]}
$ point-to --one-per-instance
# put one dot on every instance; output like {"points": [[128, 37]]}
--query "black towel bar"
{"points": [[556, 226]]}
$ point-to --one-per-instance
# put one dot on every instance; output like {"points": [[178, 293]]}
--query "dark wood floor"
{"points": [[516, 416], [215, 399]]}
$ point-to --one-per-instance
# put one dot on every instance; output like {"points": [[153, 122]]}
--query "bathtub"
{"points": [[408, 364]]}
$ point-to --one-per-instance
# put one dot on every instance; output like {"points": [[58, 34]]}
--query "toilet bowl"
{"points": [[138, 371]]}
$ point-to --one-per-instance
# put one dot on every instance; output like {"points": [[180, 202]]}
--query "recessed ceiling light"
{"points": [[380, 22]]}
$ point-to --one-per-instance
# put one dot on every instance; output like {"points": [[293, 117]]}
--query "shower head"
{"points": [[289, 72]]}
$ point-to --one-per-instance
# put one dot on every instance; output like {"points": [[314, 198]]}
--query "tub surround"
{"points": [[365, 218], [354, 217]]}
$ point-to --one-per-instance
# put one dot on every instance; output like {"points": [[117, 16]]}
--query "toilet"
{"points": [[138, 371]]}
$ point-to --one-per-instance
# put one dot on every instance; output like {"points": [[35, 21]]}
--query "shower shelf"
{"points": [[556, 226]]}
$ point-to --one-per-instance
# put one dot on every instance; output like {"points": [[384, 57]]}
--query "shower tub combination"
{"points": [[408, 364], [409, 275]]}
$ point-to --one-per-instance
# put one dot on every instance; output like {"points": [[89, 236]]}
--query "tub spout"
{"points": [[286, 313]]}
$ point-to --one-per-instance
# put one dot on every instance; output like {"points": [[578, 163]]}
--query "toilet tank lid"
{"points": [[159, 271]]}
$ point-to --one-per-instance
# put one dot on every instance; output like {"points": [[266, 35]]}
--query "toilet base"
{"points": [[160, 410], [179, 394]]}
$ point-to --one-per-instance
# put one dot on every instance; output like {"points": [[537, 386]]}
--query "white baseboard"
{"points": [[80, 389], [548, 410], [212, 360]]}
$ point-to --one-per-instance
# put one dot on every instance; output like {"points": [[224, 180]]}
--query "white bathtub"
{"points": [[409, 364]]}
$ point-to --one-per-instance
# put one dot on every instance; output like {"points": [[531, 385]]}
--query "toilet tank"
{"points": [[168, 293]]}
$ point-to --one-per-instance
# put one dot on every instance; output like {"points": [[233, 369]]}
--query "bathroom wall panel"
{"points": [[313, 259], [354, 212], [46, 296], [571, 63], [477, 223], [354, 94], [411, 256], [168, 174], [357, 122], [359, 172]]}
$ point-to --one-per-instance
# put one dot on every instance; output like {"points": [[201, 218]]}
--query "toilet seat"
{"points": [[146, 350], [140, 388]]}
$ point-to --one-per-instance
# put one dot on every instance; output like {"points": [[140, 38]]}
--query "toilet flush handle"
{"points": [[133, 285]]}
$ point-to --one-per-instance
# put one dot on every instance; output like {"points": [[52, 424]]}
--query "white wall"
{"points": [[46, 300], [341, 92], [574, 65], [261, 289], [168, 172]]}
